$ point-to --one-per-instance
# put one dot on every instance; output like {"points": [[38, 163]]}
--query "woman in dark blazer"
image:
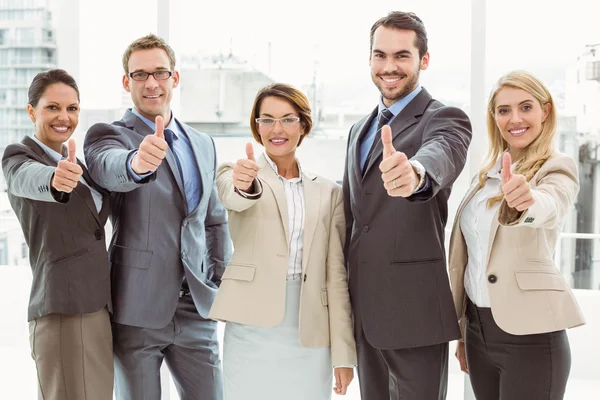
{"points": [[62, 214]]}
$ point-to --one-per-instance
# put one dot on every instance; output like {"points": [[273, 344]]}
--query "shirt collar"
{"points": [[274, 166], [172, 125], [399, 105], [56, 156]]}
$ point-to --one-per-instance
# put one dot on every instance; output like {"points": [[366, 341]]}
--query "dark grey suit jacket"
{"points": [[395, 246], [65, 234], [155, 241]]}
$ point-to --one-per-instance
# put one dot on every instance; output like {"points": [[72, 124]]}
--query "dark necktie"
{"points": [[169, 137], [384, 117]]}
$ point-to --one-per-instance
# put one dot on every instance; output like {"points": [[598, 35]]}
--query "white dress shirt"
{"points": [[475, 224], [294, 196], [57, 157]]}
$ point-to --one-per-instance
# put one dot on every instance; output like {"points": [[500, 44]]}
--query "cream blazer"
{"points": [[528, 294], [253, 286]]}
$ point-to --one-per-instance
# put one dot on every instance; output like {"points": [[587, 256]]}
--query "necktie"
{"points": [[384, 117], [169, 137]]}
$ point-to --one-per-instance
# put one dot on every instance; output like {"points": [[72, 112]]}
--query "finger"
{"points": [[506, 162], [71, 148], [344, 388], [249, 164], [149, 160], [386, 139], [154, 141], [244, 177], [523, 204], [160, 127], [153, 150], [250, 151], [396, 159]]}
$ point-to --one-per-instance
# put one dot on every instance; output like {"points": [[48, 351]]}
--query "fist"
{"points": [[398, 175], [152, 150], [245, 170], [67, 172], [516, 189]]}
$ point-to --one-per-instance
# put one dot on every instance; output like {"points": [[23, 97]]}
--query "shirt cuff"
{"points": [[256, 189], [426, 185], [344, 366], [136, 178]]}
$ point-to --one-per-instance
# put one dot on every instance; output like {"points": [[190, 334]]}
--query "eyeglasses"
{"points": [[158, 75], [285, 121]]}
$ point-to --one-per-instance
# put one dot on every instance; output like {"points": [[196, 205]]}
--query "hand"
{"points": [[67, 172], [246, 170], [461, 356], [343, 377], [152, 150], [515, 187], [399, 177]]}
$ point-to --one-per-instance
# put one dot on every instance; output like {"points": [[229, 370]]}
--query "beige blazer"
{"points": [[253, 286], [528, 294]]}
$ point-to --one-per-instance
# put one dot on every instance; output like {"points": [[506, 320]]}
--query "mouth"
{"points": [[391, 81], [153, 96], [278, 141], [516, 132], [60, 128]]}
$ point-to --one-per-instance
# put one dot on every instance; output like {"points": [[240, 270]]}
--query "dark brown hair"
{"points": [[407, 21], [288, 93], [44, 79]]}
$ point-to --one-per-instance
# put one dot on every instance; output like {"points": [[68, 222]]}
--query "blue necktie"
{"points": [[169, 137], [384, 117]]}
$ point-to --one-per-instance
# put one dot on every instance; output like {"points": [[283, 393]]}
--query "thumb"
{"points": [[386, 139], [160, 127], [71, 149], [506, 162], [250, 151]]}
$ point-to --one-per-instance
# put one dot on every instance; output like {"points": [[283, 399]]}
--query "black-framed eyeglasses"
{"points": [[158, 75], [285, 121]]}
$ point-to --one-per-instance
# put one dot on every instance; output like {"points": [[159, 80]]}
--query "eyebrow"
{"points": [[155, 69], [270, 116], [523, 102], [52, 103], [398, 53]]}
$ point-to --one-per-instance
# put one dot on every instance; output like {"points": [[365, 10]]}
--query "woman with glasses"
{"points": [[284, 295], [62, 213], [512, 302]]}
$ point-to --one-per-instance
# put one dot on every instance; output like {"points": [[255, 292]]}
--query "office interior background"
{"points": [[226, 51]]}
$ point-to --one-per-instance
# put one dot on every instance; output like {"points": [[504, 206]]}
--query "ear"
{"points": [[126, 83], [425, 62], [547, 109], [175, 79], [31, 112]]}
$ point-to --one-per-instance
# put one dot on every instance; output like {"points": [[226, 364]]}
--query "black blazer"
{"points": [[395, 246], [64, 232]]}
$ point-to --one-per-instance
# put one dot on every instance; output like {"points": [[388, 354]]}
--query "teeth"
{"points": [[60, 128], [277, 141], [153, 97], [391, 80], [517, 131]]}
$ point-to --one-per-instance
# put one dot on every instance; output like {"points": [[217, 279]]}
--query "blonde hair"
{"points": [[538, 152], [148, 42]]}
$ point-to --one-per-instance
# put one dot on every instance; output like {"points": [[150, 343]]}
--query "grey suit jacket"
{"points": [[64, 232], [155, 241], [395, 246]]}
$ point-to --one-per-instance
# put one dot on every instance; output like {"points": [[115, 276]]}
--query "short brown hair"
{"points": [[47, 78], [150, 41], [407, 21], [295, 97]]}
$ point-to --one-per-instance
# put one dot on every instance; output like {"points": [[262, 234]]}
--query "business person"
{"points": [[284, 294], [62, 213], [512, 302], [170, 243], [396, 202]]}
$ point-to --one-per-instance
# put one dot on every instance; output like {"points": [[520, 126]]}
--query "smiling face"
{"points": [[395, 63], [519, 117], [55, 115], [151, 97], [282, 137]]}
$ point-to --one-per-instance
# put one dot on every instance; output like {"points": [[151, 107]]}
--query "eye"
{"points": [[289, 120], [503, 111], [527, 107], [378, 55], [140, 75], [52, 107], [267, 121], [73, 108]]}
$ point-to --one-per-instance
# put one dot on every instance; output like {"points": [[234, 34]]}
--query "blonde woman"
{"points": [[511, 300], [284, 295]]}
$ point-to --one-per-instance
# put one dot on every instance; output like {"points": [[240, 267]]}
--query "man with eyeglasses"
{"points": [[170, 240]]}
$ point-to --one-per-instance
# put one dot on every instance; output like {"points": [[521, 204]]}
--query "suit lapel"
{"points": [[456, 235], [357, 142], [270, 178], [311, 191]]}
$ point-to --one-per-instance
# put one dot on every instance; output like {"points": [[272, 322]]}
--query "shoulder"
{"points": [[438, 109], [104, 128], [559, 162], [330, 186], [18, 149]]}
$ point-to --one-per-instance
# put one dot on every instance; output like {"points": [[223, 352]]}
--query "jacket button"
{"points": [[492, 278], [99, 233], [304, 278], [366, 228]]}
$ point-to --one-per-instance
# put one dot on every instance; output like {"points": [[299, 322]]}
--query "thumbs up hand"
{"points": [[516, 189], [67, 172], [152, 150], [399, 177], [245, 170]]}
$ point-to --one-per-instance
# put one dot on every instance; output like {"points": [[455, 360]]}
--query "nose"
{"points": [[516, 117], [151, 82], [63, 115], [277, 126], [389, 66]]}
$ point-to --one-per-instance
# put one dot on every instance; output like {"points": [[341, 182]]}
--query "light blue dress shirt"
{"points": [[182, 147]]}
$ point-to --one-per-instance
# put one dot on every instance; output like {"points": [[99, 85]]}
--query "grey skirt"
{"points": [[270, 364]]}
